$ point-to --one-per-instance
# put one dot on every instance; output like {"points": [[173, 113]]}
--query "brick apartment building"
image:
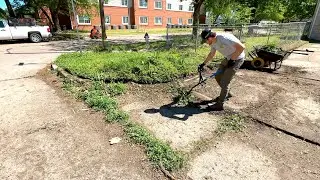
{"points": [[141, 13]]}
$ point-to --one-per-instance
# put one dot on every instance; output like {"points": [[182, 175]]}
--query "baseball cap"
{"points": [[205, 34]]}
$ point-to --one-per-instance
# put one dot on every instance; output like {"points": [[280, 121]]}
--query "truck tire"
{"points": [[35, 37]]}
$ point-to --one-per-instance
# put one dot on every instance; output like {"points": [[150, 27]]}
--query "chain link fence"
{"points": [[281, 34]]}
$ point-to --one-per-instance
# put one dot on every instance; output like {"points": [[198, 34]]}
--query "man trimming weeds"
{"points": [[233, 51]]}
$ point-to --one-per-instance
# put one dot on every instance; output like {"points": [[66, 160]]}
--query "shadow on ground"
{"points": [[182, 113]]}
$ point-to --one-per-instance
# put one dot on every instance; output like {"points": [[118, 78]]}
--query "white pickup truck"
{"points": [[16, 31]]}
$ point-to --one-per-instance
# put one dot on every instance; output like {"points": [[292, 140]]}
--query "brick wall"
{"points": [[151, 13]]}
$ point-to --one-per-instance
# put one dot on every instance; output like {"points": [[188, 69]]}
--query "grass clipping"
{"points": [[100, 97], [231, 123], [181, 95]]}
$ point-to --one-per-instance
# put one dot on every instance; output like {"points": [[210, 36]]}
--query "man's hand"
{"points": [[201, 67], [231, 63]]}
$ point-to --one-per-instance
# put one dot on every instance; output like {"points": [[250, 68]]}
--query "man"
{"points": [[95, 34], [233, 51]]}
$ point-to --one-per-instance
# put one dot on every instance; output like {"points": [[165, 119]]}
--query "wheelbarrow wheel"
{"points": [[257, 63]]}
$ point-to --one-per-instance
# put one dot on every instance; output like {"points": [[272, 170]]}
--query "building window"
{"points": [[106, 1], [143, 20], [143, 3], [180, 21], [180, 7], [158, 20], [169, 20], [191, 8], [125, 19], [108, 19], [84, 20], [190, 21], [158, 5], [124, 2], [169, 6]]}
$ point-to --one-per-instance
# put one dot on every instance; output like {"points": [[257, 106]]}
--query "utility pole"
{"points": [[103, 24]]}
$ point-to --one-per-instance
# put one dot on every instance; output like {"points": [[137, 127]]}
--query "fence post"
{"points": [[269, 34], [196, 45], [167, 37]]}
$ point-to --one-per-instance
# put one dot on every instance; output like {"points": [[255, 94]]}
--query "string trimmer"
{"points": [[202, 79]]}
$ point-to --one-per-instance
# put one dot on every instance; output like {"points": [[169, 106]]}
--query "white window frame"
{"points": [[168, 20], [179, 21], [126, 5], [191, 21], [78, 20], [181, 8], [192, 8], [124, 22], [109, 19], [143, 23], [156, 22], [168, 6], [155, 2], [143, 7]]}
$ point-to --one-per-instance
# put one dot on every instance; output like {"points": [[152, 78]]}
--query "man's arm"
{"points": [[210, 56], [239, 49]]}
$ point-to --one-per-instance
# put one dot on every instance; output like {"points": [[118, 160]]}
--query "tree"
{"points": [[299, 9], [273, 10], [196, 14], [57, 7], [3, 13], [10, 9]]}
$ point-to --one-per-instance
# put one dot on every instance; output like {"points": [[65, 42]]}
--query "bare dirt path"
{"points": [[289, 100], [43, 135]]}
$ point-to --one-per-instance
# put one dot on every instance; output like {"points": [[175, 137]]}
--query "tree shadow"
{"points": [[173, 111]]}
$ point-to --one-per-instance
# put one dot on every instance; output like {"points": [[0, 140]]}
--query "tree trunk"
{"points": [[55, 19], [48, 17], [196, 14], [10, 10], [103, 24]]}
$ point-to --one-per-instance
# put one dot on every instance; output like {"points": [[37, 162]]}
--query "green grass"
{"points": [[142, 67], [115, 89], [156, 66], [97, 96], [232, 123]]}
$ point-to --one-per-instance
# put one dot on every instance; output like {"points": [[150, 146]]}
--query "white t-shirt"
{"points": [[225, 45]]}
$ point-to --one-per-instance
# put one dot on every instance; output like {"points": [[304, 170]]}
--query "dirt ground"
{"points": [[45, 134], [288, 99]]}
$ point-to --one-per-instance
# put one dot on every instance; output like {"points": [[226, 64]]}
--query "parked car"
{"points": [[15, 29]]}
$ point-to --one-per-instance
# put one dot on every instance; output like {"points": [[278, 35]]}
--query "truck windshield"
{"points": [[1, 24]]}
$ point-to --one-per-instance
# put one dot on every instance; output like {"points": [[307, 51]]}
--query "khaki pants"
{"points": [[224, 79]]}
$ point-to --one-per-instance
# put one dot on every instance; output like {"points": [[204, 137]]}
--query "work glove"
{"points": [[231, 63], [201, 67]]}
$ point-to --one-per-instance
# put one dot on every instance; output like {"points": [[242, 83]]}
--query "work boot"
{"points": [[216, 107], [227, 98]]}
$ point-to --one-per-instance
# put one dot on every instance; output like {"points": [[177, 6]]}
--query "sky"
{"points": [[3, 4]]}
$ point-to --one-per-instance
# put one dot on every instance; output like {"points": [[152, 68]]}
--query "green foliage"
{"points": [[242, 14], [115, 115], [98, 101], [300, 9], [3, 14], [158, 152], [142, 67], [115, 89], [273, 10], [182, 96], [233, 123]]}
